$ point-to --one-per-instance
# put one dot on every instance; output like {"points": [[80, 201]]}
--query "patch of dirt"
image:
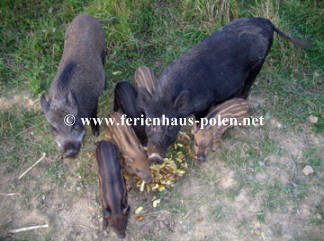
{"points": [[217, 200], [22, 100], [246, 217], [256, 101], [227, 179]]}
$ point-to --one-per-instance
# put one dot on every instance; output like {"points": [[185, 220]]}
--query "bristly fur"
{"points": [[78, 83], [223, 66], [66, 75]]}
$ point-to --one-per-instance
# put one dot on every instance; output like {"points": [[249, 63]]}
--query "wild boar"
{"points": [[125, 102], [205, 138], [135, 159], [113, 193], [77, 85], [144, 77], [219, 68], [125, 98]]}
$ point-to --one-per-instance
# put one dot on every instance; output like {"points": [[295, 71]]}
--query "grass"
{"points": [[216, 213], [57, 171], [154, 33]]}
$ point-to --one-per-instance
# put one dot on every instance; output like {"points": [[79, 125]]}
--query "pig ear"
{"points": [[71, 99], [126, 210], [181, 104], [44, 104], [143, 97]]}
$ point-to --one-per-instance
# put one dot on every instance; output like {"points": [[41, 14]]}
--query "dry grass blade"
{"points": [[9, 194], [39, 160], [18, 230]]}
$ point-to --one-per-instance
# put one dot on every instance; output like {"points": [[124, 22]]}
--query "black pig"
{"points": [[77, 85], [221, 67]]}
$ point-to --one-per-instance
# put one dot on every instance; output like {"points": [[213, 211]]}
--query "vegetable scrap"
{"points": [[174, 167]]}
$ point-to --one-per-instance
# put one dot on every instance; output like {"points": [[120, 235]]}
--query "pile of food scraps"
{"points": [[174, 167]]}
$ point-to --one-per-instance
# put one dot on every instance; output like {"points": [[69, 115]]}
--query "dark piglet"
{"points": [[113, 193], [219, 68], [77, 84], [125, 101]]}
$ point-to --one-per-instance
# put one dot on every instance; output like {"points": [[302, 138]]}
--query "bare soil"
{"points": [[217, 200]]}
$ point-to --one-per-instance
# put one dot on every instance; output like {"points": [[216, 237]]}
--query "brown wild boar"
{"points": [[135, 159], [144, 77], [77, 85], [113, 193], [204, 138]]}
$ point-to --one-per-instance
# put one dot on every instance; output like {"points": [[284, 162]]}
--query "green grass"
{"points": [[314, 157], [18, 136], [57, 171], [217, 213], [155, 33]]}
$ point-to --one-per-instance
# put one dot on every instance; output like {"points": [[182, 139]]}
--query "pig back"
{"points": [[124, 137], [144, 77], [81, 66], [216, 68], [111, 179], [84, 39], [234, 108]]}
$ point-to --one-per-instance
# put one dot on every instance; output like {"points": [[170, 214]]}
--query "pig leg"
{"points": [[94, 127], [244, 92]]}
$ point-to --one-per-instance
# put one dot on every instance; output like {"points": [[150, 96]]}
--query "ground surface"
{"points": [[251, 188]]}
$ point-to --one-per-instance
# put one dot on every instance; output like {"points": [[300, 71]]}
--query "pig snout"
{"points": [[155, 158], [156, 152], [202, 157], [201, 152], [145, 174], [71, 149], [121, 235]]}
